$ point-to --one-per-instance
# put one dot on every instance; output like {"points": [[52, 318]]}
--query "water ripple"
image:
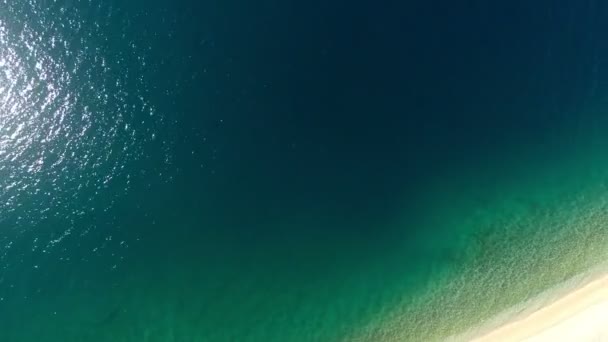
{"points": [[74, 112]]}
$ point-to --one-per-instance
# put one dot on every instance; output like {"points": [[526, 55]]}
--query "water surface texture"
{"points": [[295, 171]]}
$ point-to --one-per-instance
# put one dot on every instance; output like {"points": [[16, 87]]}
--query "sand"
{"points": [[580, 315]]}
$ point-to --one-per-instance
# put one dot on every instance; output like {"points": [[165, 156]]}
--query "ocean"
{"points": [[295, 171]]}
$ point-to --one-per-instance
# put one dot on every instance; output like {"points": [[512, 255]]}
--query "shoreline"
{"points": [[580, 313]]}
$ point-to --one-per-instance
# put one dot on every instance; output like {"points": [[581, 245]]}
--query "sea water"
{"points": [[282, 171]]}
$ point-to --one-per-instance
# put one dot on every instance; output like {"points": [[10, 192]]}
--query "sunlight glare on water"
{"points": [[72, 116]]}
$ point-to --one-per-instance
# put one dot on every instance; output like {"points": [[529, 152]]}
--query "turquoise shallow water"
{"points": [[293, 172]]}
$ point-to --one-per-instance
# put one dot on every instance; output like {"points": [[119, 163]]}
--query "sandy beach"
{"points": [[580, 315]]}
